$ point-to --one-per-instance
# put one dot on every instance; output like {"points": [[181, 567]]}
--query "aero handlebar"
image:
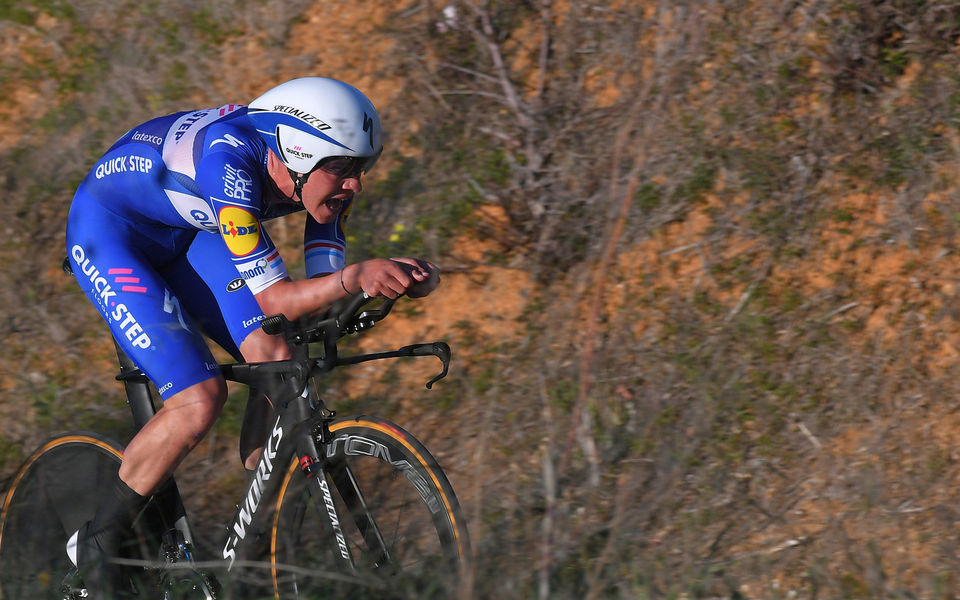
{"points": [[343, 318]]}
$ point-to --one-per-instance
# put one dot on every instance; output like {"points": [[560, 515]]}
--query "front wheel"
{"points": [[385, 504]]}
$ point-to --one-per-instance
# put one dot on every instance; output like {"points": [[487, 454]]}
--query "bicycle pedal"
{"points": [[72, 586], [185, 590], [188, 585]]}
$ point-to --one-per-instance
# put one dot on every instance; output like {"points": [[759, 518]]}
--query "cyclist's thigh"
{"points": [[211, 289], [113, 260]]}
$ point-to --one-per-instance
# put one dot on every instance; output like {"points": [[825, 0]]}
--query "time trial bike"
{"points": [[338, 507]]}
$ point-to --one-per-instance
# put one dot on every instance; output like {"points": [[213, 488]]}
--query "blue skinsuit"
{"points": [[166, 238]]}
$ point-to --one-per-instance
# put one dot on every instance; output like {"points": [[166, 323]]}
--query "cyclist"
{"points": [[166, 238]]}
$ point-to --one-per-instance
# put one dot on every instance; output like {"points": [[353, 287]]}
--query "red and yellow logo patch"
{"points": [[240, 230]]}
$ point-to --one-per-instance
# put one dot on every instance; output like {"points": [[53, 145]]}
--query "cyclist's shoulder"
{"points": [[194, 132], [234, 140], [211, 143], [231, 130]]}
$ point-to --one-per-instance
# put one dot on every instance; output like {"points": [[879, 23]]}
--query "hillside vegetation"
{"points": [[701, 269]]}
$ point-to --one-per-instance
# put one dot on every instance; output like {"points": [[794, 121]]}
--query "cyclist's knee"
{"points": [[261, 347], [215, 395], [215, 389], [199, 404]]}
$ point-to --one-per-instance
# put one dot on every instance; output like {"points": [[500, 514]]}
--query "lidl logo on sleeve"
{"points": [[240, 230]]}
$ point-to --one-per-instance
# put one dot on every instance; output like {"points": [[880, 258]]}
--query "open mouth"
{"points": [[334, 203]]}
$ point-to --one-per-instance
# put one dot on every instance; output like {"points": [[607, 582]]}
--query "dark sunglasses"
{"points": [[347, 166], [340, 166]]}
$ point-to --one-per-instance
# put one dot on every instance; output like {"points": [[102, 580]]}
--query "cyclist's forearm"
{"points": [[295, 299]]}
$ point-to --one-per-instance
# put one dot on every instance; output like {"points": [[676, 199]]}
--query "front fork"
{"points": [[325, 472], [311, 466]]}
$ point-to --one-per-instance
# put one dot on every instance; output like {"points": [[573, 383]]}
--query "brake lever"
{"points": [[443, 353]]}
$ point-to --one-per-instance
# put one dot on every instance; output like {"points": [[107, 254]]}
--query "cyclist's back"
{"points": [[178, 172], [165, 158]]}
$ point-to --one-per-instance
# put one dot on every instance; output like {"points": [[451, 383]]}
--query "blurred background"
{"points": [[700, 269]]}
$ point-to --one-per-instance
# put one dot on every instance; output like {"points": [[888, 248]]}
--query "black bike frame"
{"points": [[293, 433], [300, 428]]}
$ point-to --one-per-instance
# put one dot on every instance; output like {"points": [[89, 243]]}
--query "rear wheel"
{"points": [[399, 521], [55, 492]]}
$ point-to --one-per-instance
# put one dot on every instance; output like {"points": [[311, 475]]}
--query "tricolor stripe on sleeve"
{"points": [[323, 257]]}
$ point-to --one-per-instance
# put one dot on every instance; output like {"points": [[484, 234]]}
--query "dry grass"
{"points": [[726, 232]]}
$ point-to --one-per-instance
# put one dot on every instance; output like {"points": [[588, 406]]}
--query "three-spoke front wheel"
{"points": [[382, 521]]}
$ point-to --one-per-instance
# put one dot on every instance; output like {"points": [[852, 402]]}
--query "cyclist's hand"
{"points": [[426, 276], [379, 277]]}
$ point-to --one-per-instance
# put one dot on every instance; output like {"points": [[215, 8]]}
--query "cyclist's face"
{"points": [[325, 193]]}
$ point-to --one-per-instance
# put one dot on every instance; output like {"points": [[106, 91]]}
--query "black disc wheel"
{"points": [[55, 492]]}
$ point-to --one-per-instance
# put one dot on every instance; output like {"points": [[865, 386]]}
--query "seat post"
{"points": [[137, 388]]}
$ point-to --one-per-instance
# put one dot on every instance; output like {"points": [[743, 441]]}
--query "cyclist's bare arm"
{"points": [[378, 277]]}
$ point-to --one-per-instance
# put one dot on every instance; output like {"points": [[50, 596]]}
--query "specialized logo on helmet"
{"points": [[368, 127], [303, 116], [239, 229]]}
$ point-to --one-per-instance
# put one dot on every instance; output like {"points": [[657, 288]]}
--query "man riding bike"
{"points": [[166, 239]]}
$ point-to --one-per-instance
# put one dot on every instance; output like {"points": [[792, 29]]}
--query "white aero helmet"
{"points": [[307, 120]]}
